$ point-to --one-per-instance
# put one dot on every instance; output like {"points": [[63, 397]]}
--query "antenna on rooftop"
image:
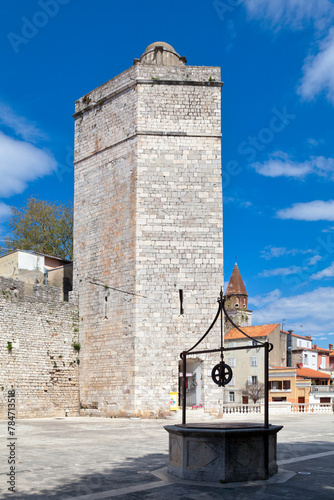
{"points": [[283, 324]]}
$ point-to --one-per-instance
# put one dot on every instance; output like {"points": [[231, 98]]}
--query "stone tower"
{"points": [[237, 301], [147, 228]]}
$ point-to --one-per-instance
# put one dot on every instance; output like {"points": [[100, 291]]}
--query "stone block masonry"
{"points": [[42, 364], [147, 231]]}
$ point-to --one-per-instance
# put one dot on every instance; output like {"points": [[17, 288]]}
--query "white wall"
{"points": [[323, 361], [297, 342], [310, 359], [30, 262]]}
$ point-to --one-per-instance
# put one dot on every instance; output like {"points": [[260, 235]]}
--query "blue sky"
{"points": [[277, 61]]}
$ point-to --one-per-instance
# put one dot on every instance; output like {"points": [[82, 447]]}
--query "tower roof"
{"points": [[161, 53], [236, 285], [163, 45]]}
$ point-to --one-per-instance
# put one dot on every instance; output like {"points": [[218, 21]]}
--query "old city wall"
{"points": [[37, 356]]}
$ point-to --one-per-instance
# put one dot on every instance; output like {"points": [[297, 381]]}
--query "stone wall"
{"points": [[42, 365], [240, 317], [147, 224]]}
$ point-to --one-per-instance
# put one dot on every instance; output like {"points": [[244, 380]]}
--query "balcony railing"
{"points": [[322, 388]]}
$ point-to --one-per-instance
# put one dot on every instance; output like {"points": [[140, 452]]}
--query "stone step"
{"points": [[193, 415]]}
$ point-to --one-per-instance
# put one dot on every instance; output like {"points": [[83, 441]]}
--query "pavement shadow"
{"points": [[131, 472], [313, 478]]}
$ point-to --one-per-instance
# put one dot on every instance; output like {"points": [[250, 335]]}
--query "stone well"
{"points": [[222, 452]]}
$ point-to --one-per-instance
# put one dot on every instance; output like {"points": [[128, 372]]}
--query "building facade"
{"points": [[33, 267], [248, 364], [147, 231], [286, 386]]}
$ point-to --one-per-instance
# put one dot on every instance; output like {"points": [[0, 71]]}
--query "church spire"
{"points": [[237, 301], [236, 285]]}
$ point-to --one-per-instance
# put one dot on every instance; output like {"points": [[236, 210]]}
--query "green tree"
{"points": [[43, 227]]}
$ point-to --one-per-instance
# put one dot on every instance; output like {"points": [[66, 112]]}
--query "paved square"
{"points": [[100, 458]]}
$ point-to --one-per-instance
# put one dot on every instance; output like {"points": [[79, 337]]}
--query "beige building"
{"points": [[37, 268], [248, 364], [285, 385], [299, 385]]}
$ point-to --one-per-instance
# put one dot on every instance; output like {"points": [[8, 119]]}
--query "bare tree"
{"points": [[254, 391]]}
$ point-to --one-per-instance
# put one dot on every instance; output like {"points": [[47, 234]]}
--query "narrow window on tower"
{"points": [[105, 307], [181, 301]]}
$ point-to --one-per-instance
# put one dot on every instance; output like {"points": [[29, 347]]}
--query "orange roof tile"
{"points": [[308, 337], [272, 367], [309, 373], [252, 331], [286, 368], [303, 349]]}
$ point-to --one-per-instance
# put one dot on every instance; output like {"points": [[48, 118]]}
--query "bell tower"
{"points": [[236, 304]]}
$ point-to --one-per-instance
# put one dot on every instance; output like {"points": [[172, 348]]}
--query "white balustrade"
{"points": [[295, 408], [242, 408], [311, 408]]}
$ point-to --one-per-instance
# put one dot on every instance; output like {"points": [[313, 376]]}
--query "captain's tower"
{"points": [[147, 228]]}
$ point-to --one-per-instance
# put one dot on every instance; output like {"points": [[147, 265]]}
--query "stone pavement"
{"points": [[98, 458]]}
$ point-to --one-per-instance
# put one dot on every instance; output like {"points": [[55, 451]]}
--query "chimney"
{"points": [[315, 347], [330, 347], [289, 349]]}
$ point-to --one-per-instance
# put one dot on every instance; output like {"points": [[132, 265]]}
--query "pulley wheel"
{"points": [[221, 374]]}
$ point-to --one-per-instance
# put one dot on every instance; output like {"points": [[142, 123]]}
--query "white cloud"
{"points": [[294, 14], [246, 204], [237, 201], [20, 163], [280, 271], [311, 211], [4, 211], [313, 260], [312, 142], [319, 71], [328, 230], [286, 271], [268, 298], [269, 252], [325, 273], [313, 309], [280, 165], [22, 127]]}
